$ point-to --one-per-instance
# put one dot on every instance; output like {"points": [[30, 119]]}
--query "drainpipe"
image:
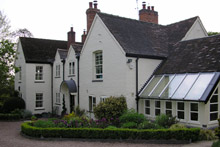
{"points": [[78, 56], [137, 98], [63, 61], [52, 87]]}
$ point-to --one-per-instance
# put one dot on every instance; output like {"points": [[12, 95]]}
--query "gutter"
{"points": [[78, 57], [52, 87], [63, 61]]}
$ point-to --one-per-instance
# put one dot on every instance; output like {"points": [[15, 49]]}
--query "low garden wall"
{"points": [[188, 134]]}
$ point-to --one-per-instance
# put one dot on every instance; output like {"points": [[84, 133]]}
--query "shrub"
{"points": [[97, 133], [216, 144], [112, 107], [8, 116], [207, 135], [149, 125], [26, 114], [165, 120], [43, 124], [13, 103], [129, 125], [177, 126], [69, 116], [132, 116], [79, 112]]}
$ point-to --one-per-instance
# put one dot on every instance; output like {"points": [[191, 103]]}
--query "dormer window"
{"points": [[39, 73], [98, 65], [57, 70], [71, 68]]}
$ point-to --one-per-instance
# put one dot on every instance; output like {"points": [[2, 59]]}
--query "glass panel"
{"points": [[216, 91], [194, 116], [157, 104], [172, 86], [169, 112], [147, 103], [213, 116], [149, 88], [185, 86], [200, 86], [180, 115], [214, 99], [180, 106], [157, 112], [162, 85], [147, 111], [194, 106], [213, 107], [169, 105]]}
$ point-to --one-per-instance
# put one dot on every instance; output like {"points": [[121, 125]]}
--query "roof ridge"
{"points": [[182, 21], [42, 39]]}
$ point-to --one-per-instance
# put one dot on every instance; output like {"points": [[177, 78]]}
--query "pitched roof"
{"points": [[63, 53], [143, 38], [41, 50], [77, 47], [198, 55]]}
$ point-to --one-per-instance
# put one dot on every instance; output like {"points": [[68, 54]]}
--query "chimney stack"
{"points": [[84, 36], [70, 37], [149, 14], [91, 12]]}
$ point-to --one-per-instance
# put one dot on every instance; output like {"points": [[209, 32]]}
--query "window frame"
{"points": [[214, 103], [146, 107], [39, 95], [157, 108], [57, 98], [191, 111], [58, 70], [71, 68], [98, 65], [168, 109], [39, 73], [92, 103], [179, 110]]}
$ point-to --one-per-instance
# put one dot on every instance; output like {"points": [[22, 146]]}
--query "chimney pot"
{"points": [[95, 4], [144, 5], [148, 8], [90, 4], [71, 29], [152, 7]]}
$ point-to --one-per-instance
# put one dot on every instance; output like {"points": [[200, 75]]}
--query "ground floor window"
{"points": [[180, 110], [147, 107], [157, 108], [92, 103], [214, 106], [102, 98], [194, 111], [168, 108], [58, 98], [39, 100]]}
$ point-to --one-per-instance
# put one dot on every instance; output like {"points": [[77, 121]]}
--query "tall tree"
{"points": [[213, 33]]}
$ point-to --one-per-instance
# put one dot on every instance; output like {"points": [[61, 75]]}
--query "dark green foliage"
{"points": [[79, 112], [97, 133], [8, 116], [44, 124], [64, 108], [207, 135], [178, 126], [149, 125], [13, 103], [165, 120], [132, 116], [216, 144], [217, 130], [111, 108], [130, 125], [213, 33]]}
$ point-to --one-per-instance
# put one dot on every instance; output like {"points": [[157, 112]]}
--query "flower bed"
{"points": [[188, 134]]}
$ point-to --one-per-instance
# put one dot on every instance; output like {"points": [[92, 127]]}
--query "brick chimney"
{"points": [[148, 15], [84, 36], [91, 12], [70, 37]]}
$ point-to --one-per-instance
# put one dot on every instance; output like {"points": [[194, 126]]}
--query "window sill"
{"points": [[71, 75], [19, 81], [40, 108], [212, 122], [97, 80], [39, 81], [57, 77], [57, 104], [194, 122]]}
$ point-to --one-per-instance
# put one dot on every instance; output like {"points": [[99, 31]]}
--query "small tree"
{"points": [[111, 108], [64, 108]]}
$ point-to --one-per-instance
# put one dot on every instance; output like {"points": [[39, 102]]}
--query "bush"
{"points": [[177, 126], [216, 144], [79, 112], [13, 103], [26, 114], [112, 107], [9, 116], [130, 125], [165, 120], [149, 125], [97, 133], [207, 135], [43, 124], [132, 116]]}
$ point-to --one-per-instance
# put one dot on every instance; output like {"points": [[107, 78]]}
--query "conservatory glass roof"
{"points": [[189, 86]]}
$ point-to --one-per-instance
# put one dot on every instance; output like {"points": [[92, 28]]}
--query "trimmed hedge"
{"points": [[9, 116], [191, 134]]}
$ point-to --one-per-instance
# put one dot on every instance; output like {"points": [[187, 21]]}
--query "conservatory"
{"points": [[191, 97]]}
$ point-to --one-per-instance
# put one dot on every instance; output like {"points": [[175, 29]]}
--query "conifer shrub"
{"points": [[13, 103], [111, 108], [165, 120]]}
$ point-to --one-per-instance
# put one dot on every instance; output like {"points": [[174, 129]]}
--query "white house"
{"points": [[159, 69]]}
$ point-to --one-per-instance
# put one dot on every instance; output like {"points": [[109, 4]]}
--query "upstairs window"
{"points": [[71, 68], [39, 73], [57, 70], [98, 65]]}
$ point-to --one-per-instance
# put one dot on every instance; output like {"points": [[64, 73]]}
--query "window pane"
{"points": [[157, 112], [172, 86], [157, 104], [90, 103], [180, 115], [185, 86], [161, 85], [214, 99], [169, 105], [200, 86], [169, 112], [194, 106], [213, 107], [213, 116], [194, 116], [147, 111], [147, 103], [180, 106], [216, 91], [152, 84]]}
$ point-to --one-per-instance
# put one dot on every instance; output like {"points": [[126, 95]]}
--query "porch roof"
{"points": [[70, 84], [183, 87]]}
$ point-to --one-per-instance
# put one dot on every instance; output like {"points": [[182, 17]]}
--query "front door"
{"points": [[72, 103]]}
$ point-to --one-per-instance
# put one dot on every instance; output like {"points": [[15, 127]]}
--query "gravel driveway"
{"points": [[10, 137]]}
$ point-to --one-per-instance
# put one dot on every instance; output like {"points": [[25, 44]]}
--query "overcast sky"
{"points": [[52, 19]]}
